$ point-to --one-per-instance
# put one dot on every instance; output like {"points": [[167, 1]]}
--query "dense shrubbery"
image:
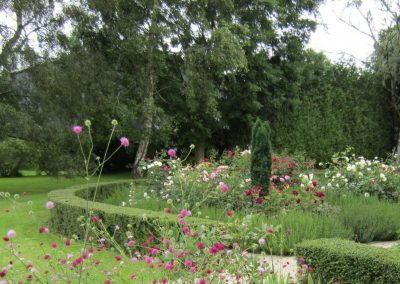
{"points": [[347, 262], [13, 153]]}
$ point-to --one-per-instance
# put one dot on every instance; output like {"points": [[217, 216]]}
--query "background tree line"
{"points": [[175, 73]]}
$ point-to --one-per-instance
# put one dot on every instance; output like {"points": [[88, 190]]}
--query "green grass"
{"points": [[43, 184], [369, 218], [28, 213]]}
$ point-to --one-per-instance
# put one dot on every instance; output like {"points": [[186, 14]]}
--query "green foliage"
{"points": [[348, 262], [330, 107], [13, 153], [301, 226], [70, 207], [260, 166], [369, 218]]}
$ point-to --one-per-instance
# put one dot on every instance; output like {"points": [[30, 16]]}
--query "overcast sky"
{"points": [[337, 39]]}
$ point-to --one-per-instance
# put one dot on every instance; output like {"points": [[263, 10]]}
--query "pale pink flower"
{"points": [[287, 177], [77, 129], [50, 204], [261, 242], [124, 141], [213, 175], [11, 234]]}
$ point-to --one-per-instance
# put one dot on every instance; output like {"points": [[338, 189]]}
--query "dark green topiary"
{"points": [[260, 167], [349, 262]]}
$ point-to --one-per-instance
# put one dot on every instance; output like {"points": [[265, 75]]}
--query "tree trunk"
{"points": [[199, 151], [147, 129], [149, 101]]}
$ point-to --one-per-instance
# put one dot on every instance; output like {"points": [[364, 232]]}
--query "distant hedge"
{"points": [[349, 262], [71, 204]]}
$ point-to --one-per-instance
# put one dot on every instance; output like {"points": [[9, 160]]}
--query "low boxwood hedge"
{"points": [[349, 262], [72, 203]]}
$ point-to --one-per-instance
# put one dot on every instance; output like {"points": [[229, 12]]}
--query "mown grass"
{"points": [[27, 214], [43, 184]]}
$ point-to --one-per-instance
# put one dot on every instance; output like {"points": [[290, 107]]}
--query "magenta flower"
{"points": [[50, 205], [224, 187], [124, 141], [172, 153], [44, 230], [11, 234], [186, 230], [169, 266], [77, 129]]}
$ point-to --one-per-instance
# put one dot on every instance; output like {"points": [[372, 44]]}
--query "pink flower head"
{"points": [[172, 153], [124, 141], [224, 187], [229, 213], [50, 204], [67, 242], [77, 129], [213, 175], [261, 242], [183, 213], [186, 230], [11, 234], [188, 263], [43, 230], [287, 177], [169, 266], [200, 245], [118, 258], [95, 219], [131, 243]]}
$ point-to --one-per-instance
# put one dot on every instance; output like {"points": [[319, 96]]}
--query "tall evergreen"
{"points": [[260, 167]]}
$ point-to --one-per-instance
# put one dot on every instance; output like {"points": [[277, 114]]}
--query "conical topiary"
{"points": [[260, 167]]}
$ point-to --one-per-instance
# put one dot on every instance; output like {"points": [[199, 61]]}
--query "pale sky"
{"points": [[337, 39]]}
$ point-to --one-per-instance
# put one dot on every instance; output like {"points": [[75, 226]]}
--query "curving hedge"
{"points": [[71, 204], [349, 262]]}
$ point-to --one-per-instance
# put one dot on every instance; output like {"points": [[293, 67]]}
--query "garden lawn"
{"points": [[42, 184], [28, 213]]}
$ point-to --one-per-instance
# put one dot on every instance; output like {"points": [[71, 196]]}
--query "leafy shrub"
{"points": [[348, 262], [260, 166], [13, 153]]}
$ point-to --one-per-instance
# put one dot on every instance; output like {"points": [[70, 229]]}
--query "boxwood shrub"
{"points": [[349, 262], [72, 203]]}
